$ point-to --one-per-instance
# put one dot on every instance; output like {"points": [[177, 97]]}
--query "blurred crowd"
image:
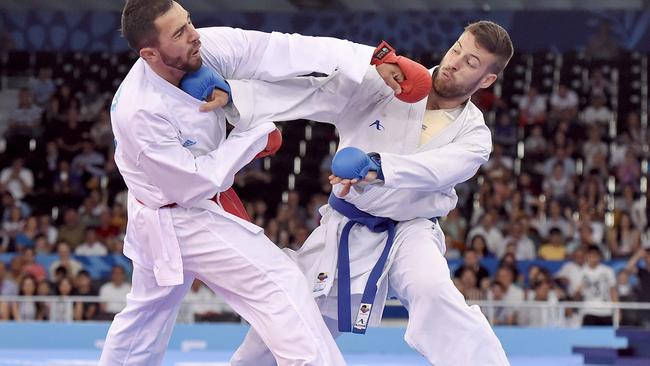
{"points": [[564, 183]]}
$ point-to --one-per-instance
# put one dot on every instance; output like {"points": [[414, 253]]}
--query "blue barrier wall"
{"points": [[100, 267], [409, 31], [226, 337]]}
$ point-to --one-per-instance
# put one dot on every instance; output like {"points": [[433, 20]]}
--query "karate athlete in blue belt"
{"points": [[377, 235]]}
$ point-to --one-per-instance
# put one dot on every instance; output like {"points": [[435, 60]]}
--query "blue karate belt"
{"points": [[374, 224]]}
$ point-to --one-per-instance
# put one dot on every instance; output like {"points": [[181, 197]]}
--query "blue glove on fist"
{"points": [[202, 82], [353, 163]]}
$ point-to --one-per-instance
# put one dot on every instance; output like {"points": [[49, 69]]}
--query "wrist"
{"points": [[376, 159]]}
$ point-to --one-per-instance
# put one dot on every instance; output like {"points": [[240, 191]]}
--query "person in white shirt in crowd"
{"points": [[598, 287], [72, 265], [597, 113], [558, 186], [571, 273], [17, 179], [91, 244], [553, 217], [512, 293], [564, 103], [532, 108], [594, 145], [524, 248], [492, 234], [112, 294]]}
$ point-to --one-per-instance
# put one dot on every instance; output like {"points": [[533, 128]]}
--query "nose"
{"points": [[194, 35]]}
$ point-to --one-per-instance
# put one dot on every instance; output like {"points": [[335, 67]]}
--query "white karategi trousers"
{"points": [[251, 274]]}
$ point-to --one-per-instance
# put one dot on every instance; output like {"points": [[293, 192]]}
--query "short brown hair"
{"points": [[495, 39], [138, 17]]}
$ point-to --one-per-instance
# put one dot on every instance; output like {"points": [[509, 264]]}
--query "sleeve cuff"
{"points": [[240, 111]]}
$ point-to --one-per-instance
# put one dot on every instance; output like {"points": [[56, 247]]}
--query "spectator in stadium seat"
{"points": [[471, 262], [505, 133], [106, 229], [91, 245], [101, 132], [24, 121], [553, 217], [91, 209], [597, 113], [536, 145], [593, 146], [598, 287], [25, 310], [558, 186], [43, 288], [640, 211], [555, 248], [489, 231], [113, 294], [7, 288], [46, 229], [18, 179], [513, 294], [71, 265], [25, 238], [597, 84], [42, 87], [541, 291], [11, 228], [564, 103], [639, 264], [623, 239], [70, 134], [570, 274], [73, 230], [466, 283], [83, 287], [454, 226], [31, 267], [532, 108], [479, 245], [638, 135], [41, 245], [522, 246], [88, 162], [62, 311], [629, 171], [61, 102], [561, 155]]}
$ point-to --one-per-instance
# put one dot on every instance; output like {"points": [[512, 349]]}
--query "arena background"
{"points": [[65, 59]]}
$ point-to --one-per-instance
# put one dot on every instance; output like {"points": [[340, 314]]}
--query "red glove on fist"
{"points": [[272, 144], [417, 79]]}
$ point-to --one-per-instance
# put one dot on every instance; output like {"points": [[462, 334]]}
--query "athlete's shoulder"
{"points": [[135, 96]]}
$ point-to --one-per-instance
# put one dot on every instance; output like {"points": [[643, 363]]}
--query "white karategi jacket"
{"points": [[169, 152], [418, 180]]}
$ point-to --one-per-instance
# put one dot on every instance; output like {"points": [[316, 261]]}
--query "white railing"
{"points": [[544, 313], [551, 313], [185, 312]]}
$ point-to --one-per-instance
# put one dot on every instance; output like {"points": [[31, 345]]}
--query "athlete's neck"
{"points": [[435, 101], [173, 76]]}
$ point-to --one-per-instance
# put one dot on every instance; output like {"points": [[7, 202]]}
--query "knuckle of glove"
{"points": [[417, 83], [350, 163]]}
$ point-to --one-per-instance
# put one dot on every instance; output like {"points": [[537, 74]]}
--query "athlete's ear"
{"points": [[149, 54]]}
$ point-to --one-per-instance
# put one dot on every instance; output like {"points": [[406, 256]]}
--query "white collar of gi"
{"points": [[167, 88]]}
